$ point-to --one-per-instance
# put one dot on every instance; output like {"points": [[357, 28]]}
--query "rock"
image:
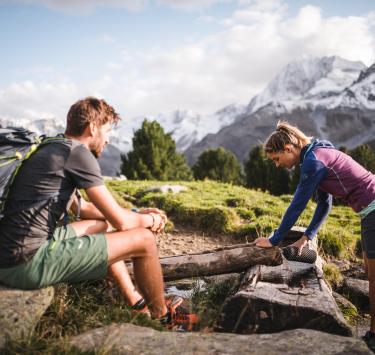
{"points": [[164, 189], [343, 302], [357, 291], [130, 339], [20, 311], [120, 177]]}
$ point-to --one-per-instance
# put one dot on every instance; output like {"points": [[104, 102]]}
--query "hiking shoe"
{"points": [[180, 316], [140, 307], [369, 339], [307, 255]]}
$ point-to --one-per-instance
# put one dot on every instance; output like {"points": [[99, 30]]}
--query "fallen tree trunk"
{"points": [[216, 262], [292, 295]]}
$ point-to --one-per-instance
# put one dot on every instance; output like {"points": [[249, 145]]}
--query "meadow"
{"points": [[212, 207]]}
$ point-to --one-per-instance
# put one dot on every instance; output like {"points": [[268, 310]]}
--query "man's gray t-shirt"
{"points": [[57, 168]]}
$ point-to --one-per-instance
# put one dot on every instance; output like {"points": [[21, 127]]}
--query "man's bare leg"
{"points": [[139, 244], [117, 270], [122, 278]]}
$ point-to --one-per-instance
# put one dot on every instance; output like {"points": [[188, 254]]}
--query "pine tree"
{"points": [[364, 155], [279, 179], [154, 156], [218, 164], [262, 173], [256, 169]]}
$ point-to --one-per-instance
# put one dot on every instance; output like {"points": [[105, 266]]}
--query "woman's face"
{"points": [[287, 158]]}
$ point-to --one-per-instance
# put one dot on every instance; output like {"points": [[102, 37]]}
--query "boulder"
{"points": [[357, 291], [131, 339], [21, 310], [164, 189]]}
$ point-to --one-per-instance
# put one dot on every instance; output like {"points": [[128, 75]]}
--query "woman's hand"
{"points": [[300, 243], [263, 242]]}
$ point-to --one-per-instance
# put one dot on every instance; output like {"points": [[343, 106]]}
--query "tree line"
{"points": [[154, 157]]}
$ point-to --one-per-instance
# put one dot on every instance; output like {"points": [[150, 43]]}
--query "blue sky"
{"points": [[153, 56]]}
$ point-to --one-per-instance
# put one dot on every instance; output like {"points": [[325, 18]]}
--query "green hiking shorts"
{"points": [[64, 258]]}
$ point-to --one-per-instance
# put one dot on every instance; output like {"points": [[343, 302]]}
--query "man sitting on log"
{"points": [[35, 252]]}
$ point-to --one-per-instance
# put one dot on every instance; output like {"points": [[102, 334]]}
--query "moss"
{"points": [[235, 210], [349, 312], [333, 275]]}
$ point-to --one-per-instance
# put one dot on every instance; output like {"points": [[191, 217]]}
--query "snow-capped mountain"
{"points": [[309, 81], [47, 126], [330, 98], [187, 127]]}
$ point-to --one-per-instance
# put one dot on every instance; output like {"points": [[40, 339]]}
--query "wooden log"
{"points": [[293, 295], [216, 262]]}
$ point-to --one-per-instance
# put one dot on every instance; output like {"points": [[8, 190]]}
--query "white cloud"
{"points": [[228, 67], [31, 100], [190, 5], [84, 7], [105, 38]]}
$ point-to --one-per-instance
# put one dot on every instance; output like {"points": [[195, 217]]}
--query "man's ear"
{"points": [[92, 128]]}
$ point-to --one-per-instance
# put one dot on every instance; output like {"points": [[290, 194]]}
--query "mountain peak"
{"points": [[366, 73], [308, 78]]}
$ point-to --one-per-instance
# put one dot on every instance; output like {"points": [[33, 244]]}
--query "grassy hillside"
{"points": [[233, 210], [209, 206]]}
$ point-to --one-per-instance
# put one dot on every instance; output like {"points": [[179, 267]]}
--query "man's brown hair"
{"points": [[88, 110]]}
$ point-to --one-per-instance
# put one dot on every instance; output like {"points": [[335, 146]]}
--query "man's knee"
{"points": [[148, 239]]}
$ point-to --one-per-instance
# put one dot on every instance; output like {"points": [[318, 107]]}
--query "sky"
{"points": [[147, 57]]}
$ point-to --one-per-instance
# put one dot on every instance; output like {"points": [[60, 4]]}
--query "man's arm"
{"points": [[105, 207], [87, 209]]}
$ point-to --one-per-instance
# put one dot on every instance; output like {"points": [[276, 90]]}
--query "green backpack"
{"points": [[17, 145]]}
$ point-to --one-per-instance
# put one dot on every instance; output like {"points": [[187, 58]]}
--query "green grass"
{"points": [[208, 301], [333, 275], [234, 210], [74, 310]]}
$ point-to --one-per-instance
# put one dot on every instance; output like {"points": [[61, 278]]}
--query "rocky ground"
{"points": [[185, 240]]}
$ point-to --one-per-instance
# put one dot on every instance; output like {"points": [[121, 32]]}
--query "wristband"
{"points": [[153, 221]]}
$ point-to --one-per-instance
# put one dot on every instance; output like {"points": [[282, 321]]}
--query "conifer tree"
{"points": [[154, 156], [218, 164], [256, 169], [262, 173], [364, 155]]}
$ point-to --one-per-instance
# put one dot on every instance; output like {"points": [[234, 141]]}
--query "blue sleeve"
{"points": [[312, 172], [324, 204]]}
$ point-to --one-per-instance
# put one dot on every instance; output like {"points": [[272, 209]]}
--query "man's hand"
{"points": [[154, 210], [158, 222], [158, 226], [300, 243], [263, 242]]}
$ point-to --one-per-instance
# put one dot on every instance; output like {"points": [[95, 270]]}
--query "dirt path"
{"points": [[186, 240]]}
